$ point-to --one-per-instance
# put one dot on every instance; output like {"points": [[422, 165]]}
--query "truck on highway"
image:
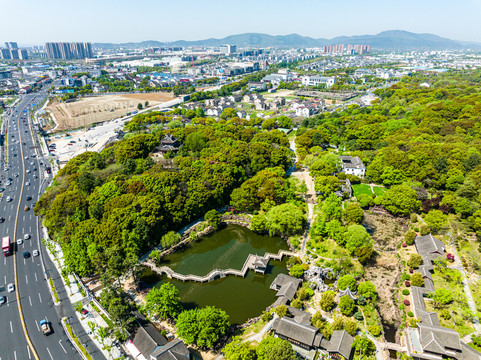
{"points": [[45, 326], [6, 246]]}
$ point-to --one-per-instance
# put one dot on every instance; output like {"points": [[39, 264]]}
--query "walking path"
{"points": [[472, 306], [311, 194]]}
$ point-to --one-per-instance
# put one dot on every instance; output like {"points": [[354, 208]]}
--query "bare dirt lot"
{"points": [[386, 231], [385, 270], [384, 273], [89, 110]]}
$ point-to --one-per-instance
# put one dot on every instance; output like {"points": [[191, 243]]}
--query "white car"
{"points": [[35, 253], [26, 236], [10, 287], [28, 171], [19, 241], [27, 183], [3, 299]]}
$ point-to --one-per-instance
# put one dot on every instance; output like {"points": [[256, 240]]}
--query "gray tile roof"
{"points": [[341, 343], [305, 334], [350, 162], [436, 337], [174, 350], [428, 246], [147, 338], [286, 286]]}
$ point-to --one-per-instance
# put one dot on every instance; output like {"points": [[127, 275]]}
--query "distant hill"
{"points": [[386, 40]]}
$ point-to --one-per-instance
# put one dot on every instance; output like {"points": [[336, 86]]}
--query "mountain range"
{"points": [[397, 40]]}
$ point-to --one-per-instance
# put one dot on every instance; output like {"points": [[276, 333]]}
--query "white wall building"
{"points": [[353, 166], [317, 80]]}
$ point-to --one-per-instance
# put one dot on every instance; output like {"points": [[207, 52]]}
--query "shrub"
{"points": [[414, 261], [407, 283], [410, 314], [416, 229], [414, 218], [476, 340], [445, 314], [409, 237], [358, 316], [425, 229], [406, 302], [417, 280], [374, 329], [405, 292]]}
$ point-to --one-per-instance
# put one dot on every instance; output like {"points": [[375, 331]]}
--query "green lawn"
{"points": [[460, 320], [327, 249], [379, 191], [359, 189]]}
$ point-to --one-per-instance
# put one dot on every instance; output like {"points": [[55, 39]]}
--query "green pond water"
{"points": [[241, 298]]}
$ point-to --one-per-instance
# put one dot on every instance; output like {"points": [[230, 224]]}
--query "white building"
{"points": [[353, 166], [317, 80]]}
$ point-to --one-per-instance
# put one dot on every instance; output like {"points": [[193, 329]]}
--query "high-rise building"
{"points": [[23, 54], [14, 54], [5, 54], [11, 45], [68, 51], [228, 49]]}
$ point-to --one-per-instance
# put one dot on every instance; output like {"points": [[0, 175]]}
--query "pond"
{"points": [[241, 298]]}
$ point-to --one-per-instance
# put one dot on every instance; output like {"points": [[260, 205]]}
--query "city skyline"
{"points": [[122, 21]]}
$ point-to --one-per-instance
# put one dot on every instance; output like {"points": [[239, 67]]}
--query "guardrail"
{"points": [[74, 340]]}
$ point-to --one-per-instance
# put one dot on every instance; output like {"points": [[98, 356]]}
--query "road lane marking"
{"points": [[26, 279], [36, 277], [28, 350], [40, 297], [30, 301], [5, 278], [60, 343], [15, 354], [49, 354], [11, 327], [36, 323]]}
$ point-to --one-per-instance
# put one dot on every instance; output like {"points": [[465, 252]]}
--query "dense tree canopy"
{"points": [[107, 208]]}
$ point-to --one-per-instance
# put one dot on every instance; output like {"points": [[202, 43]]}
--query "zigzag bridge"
{"points": [[253, 262]]}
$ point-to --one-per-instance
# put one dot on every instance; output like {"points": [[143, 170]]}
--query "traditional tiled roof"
{"points": [[174, 350], [351, 162], [341, 343], [305, 334]]}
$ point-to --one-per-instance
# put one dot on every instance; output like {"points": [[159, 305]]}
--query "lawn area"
{"points": [[460, 316], [469, 252], [327, 249], [370, 314], [379, 191], [359, 189], [476, 292]]}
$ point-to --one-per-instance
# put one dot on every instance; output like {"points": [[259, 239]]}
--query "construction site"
{"points": [[96, 109]]}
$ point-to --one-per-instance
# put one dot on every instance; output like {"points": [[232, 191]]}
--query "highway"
{"points": [[26, 169]]}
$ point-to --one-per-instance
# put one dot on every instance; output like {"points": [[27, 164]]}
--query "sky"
{"points": [[34, 22]]}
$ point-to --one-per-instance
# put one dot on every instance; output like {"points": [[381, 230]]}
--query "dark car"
{"points": [[84, 311], [28, 198], [26, 254], [2, 219]]}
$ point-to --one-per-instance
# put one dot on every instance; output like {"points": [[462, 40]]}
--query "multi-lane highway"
{"points": [[24, 177]]}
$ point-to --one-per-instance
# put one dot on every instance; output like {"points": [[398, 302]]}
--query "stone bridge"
{"points": [[218, 273]]}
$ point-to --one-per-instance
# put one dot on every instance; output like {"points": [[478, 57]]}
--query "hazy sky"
{"points": [[32, 22]]}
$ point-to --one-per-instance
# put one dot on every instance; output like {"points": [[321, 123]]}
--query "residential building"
{"points": [[228, 49], [353, 166], [318, 80], [5, 54], [11, 45], [23, 54], [68, 51], [14, 54]]}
